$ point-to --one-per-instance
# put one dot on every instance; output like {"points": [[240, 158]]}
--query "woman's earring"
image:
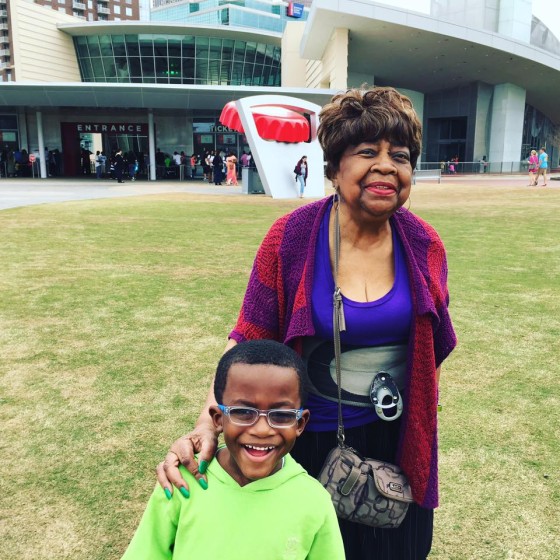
{"points": [[401, 211]]}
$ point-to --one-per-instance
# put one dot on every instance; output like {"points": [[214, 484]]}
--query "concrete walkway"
{"points": [[24, 192]]}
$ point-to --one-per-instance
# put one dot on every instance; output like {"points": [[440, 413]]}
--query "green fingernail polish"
{"points": [[202, 466], [184, 491], [203, 483], [167, 493]]}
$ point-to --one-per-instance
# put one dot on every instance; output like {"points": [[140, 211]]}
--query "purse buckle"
{"points": [[385, 396]]}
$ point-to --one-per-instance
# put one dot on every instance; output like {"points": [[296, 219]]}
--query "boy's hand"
{"points": [[202, 440]]}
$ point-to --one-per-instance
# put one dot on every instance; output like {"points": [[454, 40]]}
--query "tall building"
{"points": [[96, 10], [89, 10], [269, 15], [483, 75]]}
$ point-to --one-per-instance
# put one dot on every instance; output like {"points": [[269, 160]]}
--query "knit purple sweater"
{"points": [[277, 305]]}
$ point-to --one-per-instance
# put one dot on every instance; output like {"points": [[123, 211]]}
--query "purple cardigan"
{"points": [[277, 305]]}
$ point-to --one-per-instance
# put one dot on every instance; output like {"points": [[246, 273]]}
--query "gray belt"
{"points": [[359, 365]]}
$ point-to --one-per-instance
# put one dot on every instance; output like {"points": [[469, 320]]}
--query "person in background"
{"points": [[208, 160], [160, 164], [255, 500], [132, 162], [542, 168], [392, 280], [86, 161], [119, 165], [218, 164], [533, 162], [193, 166], [231, 166], [301, 171], [98, 165]]}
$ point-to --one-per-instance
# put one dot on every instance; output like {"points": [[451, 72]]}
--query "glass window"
{"points": [[132, 47], [202, 47], [201, 71], [81, 46], [160, 46], [148, 67], [174, 67], [116, 9], [227, 49], [122, 67], [146, 47], [236, 74], [250, 52], [97, 68], [162, 69], [188, 47], [188, 65], [225, 70], [128, 12], [174, 47], [105, 45], [240, 47], [93, 45], [85, 67], [134, 66], [118, 45], [215, 48], [109, 66]]}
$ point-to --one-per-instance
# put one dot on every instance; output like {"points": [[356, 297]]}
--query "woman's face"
{"points": [[374, 179]]}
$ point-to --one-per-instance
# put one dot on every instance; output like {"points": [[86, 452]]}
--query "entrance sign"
{"points": [[115, 128], [275, 160]]}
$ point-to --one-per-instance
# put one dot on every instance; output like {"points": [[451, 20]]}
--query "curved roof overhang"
{"points": [[164, 28], [140, 96], [416, 51]]}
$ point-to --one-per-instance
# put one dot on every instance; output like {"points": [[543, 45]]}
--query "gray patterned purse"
{"points": [[366, 491]]}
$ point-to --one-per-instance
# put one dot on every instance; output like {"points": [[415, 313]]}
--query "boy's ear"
{"points": [[302, 422], [217, 417]]}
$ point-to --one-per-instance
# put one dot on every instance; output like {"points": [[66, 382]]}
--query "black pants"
{"points": [[413, 539]]}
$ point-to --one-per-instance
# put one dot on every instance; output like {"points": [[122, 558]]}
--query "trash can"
{"points": [[251, 181]]}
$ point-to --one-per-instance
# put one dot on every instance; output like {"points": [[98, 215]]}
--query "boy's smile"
{"points": [[256, 451]]}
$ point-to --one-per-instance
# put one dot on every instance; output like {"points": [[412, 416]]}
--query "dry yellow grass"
{"points": [[113, 314]]}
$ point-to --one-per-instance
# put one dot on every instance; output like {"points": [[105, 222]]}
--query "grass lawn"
{"points": [[113, 314]]}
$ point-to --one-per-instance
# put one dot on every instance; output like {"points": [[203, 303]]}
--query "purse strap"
{"points": [[339, 323]]}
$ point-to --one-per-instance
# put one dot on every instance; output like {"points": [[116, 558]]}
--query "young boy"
{"points": [[258, 503]]}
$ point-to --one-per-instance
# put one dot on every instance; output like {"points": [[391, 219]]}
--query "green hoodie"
{"points": [[285, 516]]}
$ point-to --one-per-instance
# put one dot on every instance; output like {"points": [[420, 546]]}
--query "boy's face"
{"points": [[256, 451]]}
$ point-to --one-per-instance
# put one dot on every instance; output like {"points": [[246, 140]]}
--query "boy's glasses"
{"points": [[276, 417]]}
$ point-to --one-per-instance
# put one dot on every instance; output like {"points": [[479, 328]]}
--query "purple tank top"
{"points": [[385, 321]]}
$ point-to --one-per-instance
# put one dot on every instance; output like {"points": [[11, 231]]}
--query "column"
{"points": [[506, 130], [42, 162], [152, 145]]}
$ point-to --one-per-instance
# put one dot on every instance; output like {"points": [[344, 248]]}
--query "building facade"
{"points": [[484, 87], [89, 10]]}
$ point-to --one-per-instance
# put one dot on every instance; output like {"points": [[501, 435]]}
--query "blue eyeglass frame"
{"points": [[298, 411]]}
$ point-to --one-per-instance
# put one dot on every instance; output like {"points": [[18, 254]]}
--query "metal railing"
{"points": [[469, 167]]}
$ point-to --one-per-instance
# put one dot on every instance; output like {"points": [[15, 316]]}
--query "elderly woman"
{"points": [[393, 276]]}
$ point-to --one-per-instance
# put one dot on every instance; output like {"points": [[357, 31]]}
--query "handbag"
{"points": [[367, 491]]}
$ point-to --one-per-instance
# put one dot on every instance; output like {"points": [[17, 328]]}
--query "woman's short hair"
{"points": [[368, 115]]}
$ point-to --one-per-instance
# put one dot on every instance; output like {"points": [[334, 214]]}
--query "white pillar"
{"points": [[42, 162], [506, 130], [152, 146]]}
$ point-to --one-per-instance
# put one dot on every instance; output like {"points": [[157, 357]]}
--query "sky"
{"points": [[548, 11]]}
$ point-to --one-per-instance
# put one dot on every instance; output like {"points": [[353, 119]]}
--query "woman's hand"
{"points": [[202, 440]]}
